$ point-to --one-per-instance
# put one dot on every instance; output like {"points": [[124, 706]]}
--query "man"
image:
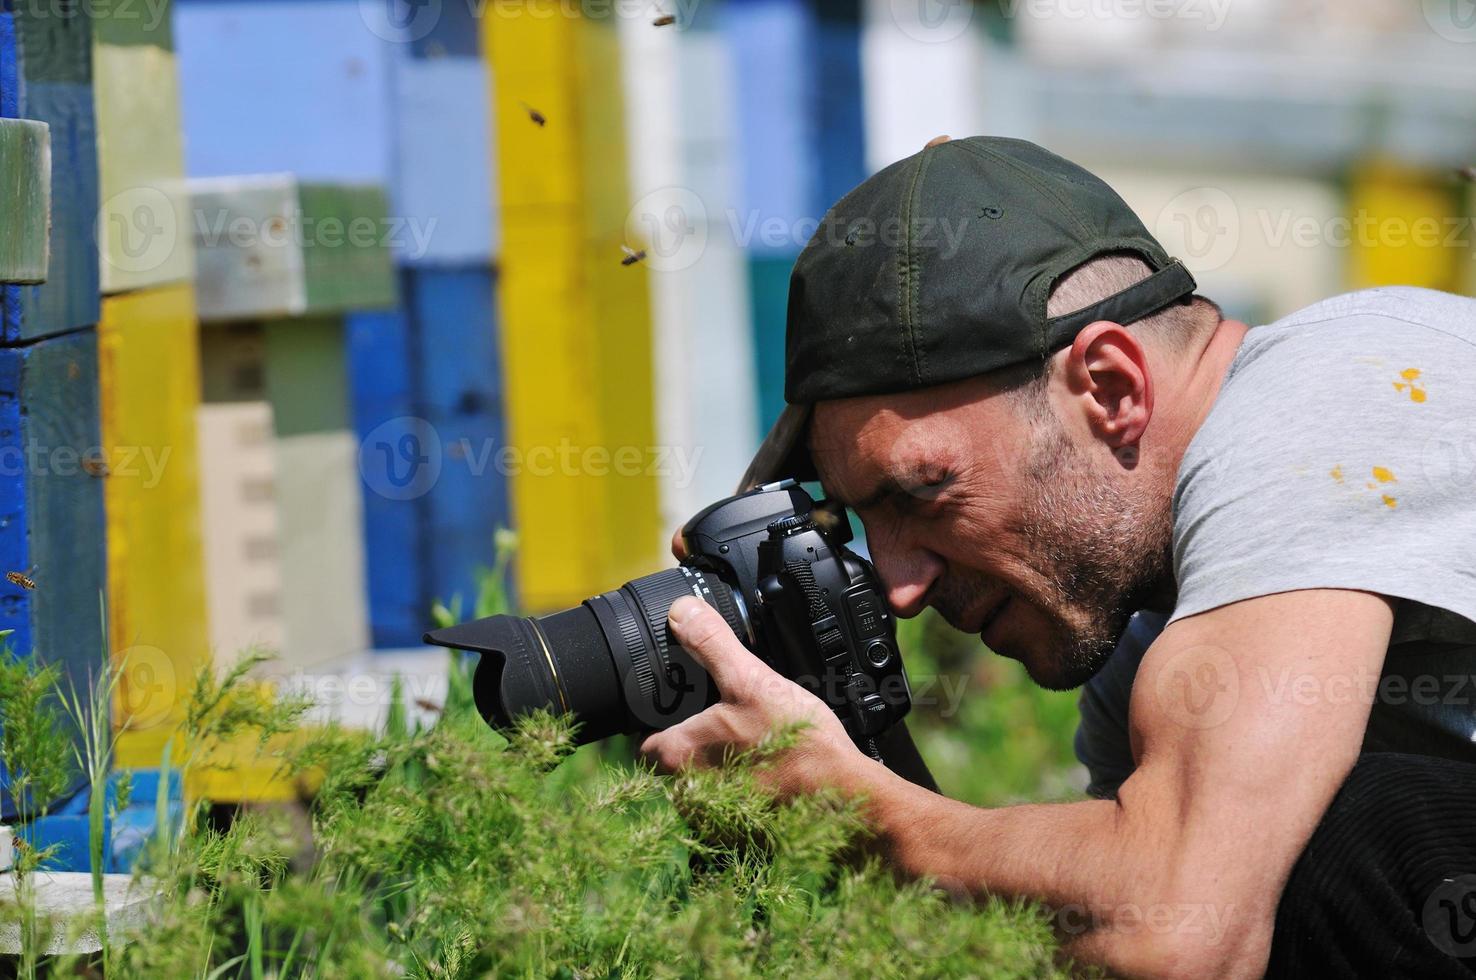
{"points": [[1044, 432]]}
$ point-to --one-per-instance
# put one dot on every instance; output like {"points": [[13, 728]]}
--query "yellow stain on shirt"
{"points": [[1384, 475], [1336, 473], [1389, 501], [1411, 384]]}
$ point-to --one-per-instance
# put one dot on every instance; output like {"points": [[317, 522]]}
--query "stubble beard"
{"points": [[1102, 548]]}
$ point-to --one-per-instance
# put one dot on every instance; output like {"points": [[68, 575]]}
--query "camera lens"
{"points": [[610, 662]]}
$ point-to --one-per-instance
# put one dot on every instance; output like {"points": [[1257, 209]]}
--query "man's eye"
{"points": [[931, 489]]}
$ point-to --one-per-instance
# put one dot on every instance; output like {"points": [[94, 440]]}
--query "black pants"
{"points": [[1387, 884]]}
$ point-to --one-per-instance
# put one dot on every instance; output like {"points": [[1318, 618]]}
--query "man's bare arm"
{"points": [[1245, 721]]}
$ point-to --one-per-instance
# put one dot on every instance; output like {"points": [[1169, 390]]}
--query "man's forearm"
{"points": [[1058, 853], [1120, 890]]}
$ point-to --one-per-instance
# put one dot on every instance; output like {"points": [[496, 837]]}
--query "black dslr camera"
{"points": [[774, 564]]}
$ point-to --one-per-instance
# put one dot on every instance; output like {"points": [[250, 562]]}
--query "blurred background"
{"points": [[307, 298]]}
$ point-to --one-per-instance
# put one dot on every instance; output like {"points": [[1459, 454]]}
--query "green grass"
{"points": [[455, 852]]}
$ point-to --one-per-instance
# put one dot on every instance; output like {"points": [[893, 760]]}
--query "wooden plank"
{"points": [[451, 33], [1256, 244], [149, 381], [576, 327], [394, 478], [317, 485], [772, 42], [679, 97], [243, 571], [840, 126], [1468, 203], [256, 270], [67, 899], [1401, 221], [269, 247], [144, 225], [459, 379], [46, 75], [443, 183], [768, 284], [51, 502], [246, 71], [25, 200], [801, 146], [346, 258], [55, 42], [127, 22], [910, 48], [427, 406]]}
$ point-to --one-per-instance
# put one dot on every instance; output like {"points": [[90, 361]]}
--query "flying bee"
{"points": [[425, 704], [538, 118], [632, 255], [663, 20], [93, 464], [22, 579]]}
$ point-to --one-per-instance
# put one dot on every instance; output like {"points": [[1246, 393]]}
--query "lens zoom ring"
{"points": [[635, 644], [656, 593]]}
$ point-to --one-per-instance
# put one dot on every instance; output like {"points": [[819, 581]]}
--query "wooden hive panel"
{"points": [[46, 75], [238, 495], [144, 226], [576, 340], [25, 200], [150, 392], [318, 497], [51, 502]]}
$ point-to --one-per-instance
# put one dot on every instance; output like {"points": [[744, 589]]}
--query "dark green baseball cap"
{"points": [[937, 268]]}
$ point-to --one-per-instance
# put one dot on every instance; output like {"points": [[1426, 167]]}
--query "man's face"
{"points": [[1010, 523]]}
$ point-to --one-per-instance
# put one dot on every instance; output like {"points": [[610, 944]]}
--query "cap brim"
{"points": [[784, 453]]}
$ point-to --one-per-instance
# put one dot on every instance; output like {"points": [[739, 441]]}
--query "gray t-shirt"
{"points": [[1339, 453]]}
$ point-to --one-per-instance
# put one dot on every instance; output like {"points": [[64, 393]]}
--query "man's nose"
{"points": [[908, 577]]}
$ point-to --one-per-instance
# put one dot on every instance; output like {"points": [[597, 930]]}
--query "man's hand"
{"points": [[756, 701]]}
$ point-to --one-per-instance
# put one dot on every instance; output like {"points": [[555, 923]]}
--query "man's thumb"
{"points": [[704, 634]]}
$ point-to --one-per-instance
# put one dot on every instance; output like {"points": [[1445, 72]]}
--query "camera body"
{"points": [[816, 608], [773, 563]]}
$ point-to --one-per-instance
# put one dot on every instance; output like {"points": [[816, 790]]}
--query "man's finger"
{"points": [[668, 750], [704, 634], [678, 546]]}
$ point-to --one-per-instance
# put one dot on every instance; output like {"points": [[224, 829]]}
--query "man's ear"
{"points": [[1106, 370]]}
